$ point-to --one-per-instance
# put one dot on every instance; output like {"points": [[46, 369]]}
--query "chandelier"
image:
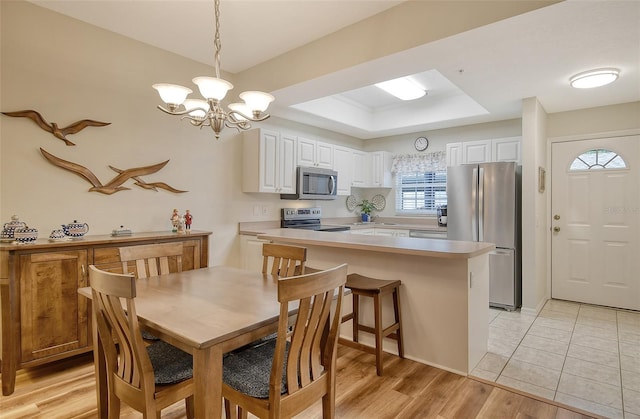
{"points": [[209, 112]]}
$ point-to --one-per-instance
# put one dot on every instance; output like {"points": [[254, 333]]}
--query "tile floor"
{"points": [[577, 354]]}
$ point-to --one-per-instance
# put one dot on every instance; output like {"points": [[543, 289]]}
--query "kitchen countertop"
{"points": [[253, 228], [438, 248]]}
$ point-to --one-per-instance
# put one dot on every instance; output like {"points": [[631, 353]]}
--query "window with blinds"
{"points": [[420, 192]]}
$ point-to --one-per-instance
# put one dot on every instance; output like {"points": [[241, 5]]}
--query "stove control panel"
{"points": [[301, 213]]}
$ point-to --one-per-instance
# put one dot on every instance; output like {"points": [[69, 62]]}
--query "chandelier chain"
{"points": [[216, 41]]}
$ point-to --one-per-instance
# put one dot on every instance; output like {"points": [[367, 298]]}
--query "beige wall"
{"points": [[534, 208], [620, 117], [68, 70]]}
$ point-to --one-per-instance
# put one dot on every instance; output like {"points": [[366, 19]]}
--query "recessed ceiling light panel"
{"points": [[403, 88], [594, 78]]}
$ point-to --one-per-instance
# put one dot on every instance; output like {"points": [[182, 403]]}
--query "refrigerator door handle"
{"points": [[474, 210], [481, 205]]}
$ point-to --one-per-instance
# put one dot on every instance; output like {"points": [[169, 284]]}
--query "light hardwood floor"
{"points": [[408, 390]]}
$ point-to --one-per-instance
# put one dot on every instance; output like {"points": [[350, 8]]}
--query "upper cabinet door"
{"points": [[342, 163], [324, 155], [360, 173], [312, 153], [476, 151], [506, 149], [306, 154], [381, 169], [287, 164], [454, 154]]}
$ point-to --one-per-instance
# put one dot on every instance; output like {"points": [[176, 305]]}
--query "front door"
{"points": [[595, 210]]}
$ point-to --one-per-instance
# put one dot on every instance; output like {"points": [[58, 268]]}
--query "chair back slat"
{"points": [[283, 260], [151, 259]]}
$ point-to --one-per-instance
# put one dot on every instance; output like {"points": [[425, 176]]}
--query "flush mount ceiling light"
{"points": [[403, 88], [594, 78], [209, 112]]}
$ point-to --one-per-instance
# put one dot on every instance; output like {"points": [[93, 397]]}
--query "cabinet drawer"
{"points": [[108, 258]]}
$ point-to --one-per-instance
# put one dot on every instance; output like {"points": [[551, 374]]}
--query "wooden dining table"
{"points": [[205, 312]]}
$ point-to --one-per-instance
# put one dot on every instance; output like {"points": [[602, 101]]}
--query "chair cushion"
{"points": [[148, 336], [248, 371], [170, 364]]}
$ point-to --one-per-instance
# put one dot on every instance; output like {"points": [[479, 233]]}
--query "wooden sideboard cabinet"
{"points": [[44, 319]]}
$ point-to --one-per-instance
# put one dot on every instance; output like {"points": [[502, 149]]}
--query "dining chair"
{"points": [[151, 259], [284, 376], [147, 378], [280, 260], [283, 260]]}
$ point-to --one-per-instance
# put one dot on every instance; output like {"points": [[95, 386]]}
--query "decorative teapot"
{"points": [[75, 229], [9, 228]]}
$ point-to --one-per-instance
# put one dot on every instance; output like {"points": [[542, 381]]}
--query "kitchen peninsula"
{"points": [[444, 293]]}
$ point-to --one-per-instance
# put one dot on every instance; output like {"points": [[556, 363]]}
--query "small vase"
{"points": [[366, 217]]}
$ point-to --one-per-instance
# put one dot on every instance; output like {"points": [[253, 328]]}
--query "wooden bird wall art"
{"points": [[115, 184], [53, 128]]}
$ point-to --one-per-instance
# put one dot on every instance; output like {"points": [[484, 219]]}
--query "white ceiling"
{"points": [[477, 76]]}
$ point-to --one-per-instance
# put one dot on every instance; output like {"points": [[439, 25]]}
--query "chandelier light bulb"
{"points": [[594, 78], [172, 94], [191, 105], [242, 108], [212, 87], [257, 101]]}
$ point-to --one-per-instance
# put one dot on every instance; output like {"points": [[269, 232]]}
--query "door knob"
{"points": [[556, 217], [556, 229]]}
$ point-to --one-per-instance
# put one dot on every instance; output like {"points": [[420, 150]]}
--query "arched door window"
{"points": [[598, 159]]}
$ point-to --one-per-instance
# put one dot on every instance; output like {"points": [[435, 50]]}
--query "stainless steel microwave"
{"points": [[314, 183]]}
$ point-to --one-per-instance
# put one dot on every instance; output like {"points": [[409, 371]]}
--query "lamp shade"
{"points": [[212, 87], [172, 93], [193, 104], [242, 108], [257, 101]]}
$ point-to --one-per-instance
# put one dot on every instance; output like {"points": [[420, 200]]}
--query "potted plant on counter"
{"points": [[366, 207]]}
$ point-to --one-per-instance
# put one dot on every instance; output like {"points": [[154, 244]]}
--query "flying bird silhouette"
{"points": [[115, 184], [146, 185], [53, 128]]}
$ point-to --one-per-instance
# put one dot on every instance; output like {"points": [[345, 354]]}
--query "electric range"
{"points": [[307, 219]]}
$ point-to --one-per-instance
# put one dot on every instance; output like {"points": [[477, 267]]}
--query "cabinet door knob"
{"points": [[556, 229]]}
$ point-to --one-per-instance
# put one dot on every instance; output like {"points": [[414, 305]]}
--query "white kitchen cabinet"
{"points": [[381, 169], [342, 163], [454, 154], [269, 162], [312, 153], [483, 151], [251, 252], [360, 174], [506, 149], [476, 151]]}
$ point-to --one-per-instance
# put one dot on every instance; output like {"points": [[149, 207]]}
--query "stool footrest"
{"points": [[347, 317], [357, 345]]}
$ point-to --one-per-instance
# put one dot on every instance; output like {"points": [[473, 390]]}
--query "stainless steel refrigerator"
{"points": [[483, 204]]}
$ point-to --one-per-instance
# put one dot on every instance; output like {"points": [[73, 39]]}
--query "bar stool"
{"points": [[375, 288]]}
